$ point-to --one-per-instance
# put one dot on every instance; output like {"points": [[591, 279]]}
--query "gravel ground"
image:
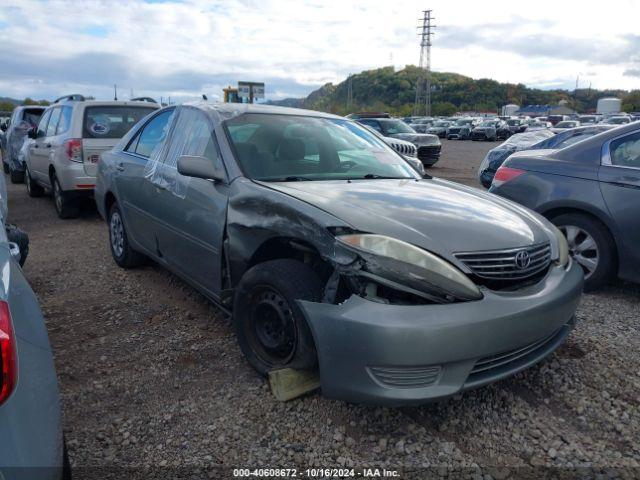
{"points": [[151, 376]]}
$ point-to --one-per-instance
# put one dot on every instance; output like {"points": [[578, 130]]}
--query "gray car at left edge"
{"points": [[31, 440], [330, 251]]}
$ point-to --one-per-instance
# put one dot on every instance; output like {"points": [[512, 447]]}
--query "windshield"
{"points": [[488, 124], [391, 127], [513, 122], [441, 124], [618, 120], [274, 147], [566, 125]]}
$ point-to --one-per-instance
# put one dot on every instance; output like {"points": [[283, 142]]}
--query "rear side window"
{"points": [[151, 135], [111, 121], [65, 120], [53, 122], [625, 152]]}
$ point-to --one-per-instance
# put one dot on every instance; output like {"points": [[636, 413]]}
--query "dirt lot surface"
{"points": [[151, 376]]}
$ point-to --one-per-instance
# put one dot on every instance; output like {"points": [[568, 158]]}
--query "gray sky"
{"points": [[185, 48]]}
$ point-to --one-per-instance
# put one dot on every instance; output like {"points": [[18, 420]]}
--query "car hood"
{"points": [[418, 138], [441, 216]]}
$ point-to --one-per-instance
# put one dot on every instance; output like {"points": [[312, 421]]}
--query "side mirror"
{"points": [[32, 133], [3, 127], [14, 250], [416, 164], [199, 167]]}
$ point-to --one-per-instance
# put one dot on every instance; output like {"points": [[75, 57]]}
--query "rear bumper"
{"points": [[401, 355], [72, 177]]}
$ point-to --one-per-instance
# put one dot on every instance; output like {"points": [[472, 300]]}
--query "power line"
{"points": [[423, 83]]}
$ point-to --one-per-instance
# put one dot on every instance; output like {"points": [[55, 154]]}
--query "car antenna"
{"points": [[204, 97], [115, 92]]}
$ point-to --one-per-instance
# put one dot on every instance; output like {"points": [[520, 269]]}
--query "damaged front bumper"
{"points": [[404, 354]]}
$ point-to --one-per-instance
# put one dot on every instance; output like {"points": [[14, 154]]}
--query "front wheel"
{"points": [[123, 254], [591, 246], [271, 328], [16, 176]]}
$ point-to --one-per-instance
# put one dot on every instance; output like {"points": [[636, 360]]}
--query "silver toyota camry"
{"points": [[332, 253]]}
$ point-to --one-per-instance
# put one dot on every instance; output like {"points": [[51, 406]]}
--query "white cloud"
{"points": [[189, 47]]}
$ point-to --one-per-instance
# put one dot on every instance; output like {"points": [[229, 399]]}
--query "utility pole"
{"points": [[423, 84]]}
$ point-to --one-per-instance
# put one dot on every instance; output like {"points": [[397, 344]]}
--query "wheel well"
{"points": [[52, 172], [109, 199], [286, 247], [555, 212]]}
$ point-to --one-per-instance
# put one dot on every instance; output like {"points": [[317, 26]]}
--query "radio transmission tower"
{"points": [[423, 84]]}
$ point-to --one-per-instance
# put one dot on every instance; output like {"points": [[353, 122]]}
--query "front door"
{"points": [[39, 151], [620, 185]]}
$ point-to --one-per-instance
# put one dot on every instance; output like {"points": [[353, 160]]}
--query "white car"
{"points": [[66, 146]]}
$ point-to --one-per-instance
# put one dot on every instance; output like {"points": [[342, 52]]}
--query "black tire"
{"points": [[123, 254], [34, 189], [605, 253], [16, 176], [268, 289], [20, 237], [66, 464], [5, 167], [66, 204]]}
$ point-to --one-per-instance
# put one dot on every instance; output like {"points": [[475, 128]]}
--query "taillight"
{"points": [[8, 354], [73, 149], [505, 174]]}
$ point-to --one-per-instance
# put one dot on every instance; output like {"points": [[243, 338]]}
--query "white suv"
{"points": [[67, 144]]}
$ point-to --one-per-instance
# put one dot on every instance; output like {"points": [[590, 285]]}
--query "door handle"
{"points": [[120, 167], [35, 145], [48, 145]]}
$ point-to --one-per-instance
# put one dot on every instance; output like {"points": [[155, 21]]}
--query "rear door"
{"points": [[190, 213], [620, 185], [103, 126], [137, 196]]}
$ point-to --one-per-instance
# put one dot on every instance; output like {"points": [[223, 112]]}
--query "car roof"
{"points": [[232, 110], [106, 103]]}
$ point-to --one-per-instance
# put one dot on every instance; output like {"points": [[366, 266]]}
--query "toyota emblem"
{"points": [[522, 260]]}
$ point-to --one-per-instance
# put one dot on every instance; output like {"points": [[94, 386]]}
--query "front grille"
{"points": [[429, 152], [507, 359], [409, 150], [508, 264], [406, 377], [454, 131]]}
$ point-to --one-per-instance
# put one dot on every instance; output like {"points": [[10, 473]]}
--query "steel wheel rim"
{"points": [[582, 248], [272, 332], [116, 234]]}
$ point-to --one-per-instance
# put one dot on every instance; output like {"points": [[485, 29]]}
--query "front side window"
{"points": [[292, 148], [625, 152], [111, 121], [151, 135]]}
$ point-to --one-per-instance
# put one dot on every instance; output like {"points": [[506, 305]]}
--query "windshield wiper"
{"points": [[382, 177]]}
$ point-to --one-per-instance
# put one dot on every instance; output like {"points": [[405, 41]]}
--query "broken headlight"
{"points": [[563, 247], [400, 263]]}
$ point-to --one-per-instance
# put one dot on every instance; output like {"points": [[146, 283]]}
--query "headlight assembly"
{"points": [[563, 247], [407, 265]]}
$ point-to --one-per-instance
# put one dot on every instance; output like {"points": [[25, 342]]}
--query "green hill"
{"points": [[385, 89]]}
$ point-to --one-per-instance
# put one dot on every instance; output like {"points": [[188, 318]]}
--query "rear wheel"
{"points": [[591, 246], [123, 254], [33, 188], [66, 204], [271, 328]]}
